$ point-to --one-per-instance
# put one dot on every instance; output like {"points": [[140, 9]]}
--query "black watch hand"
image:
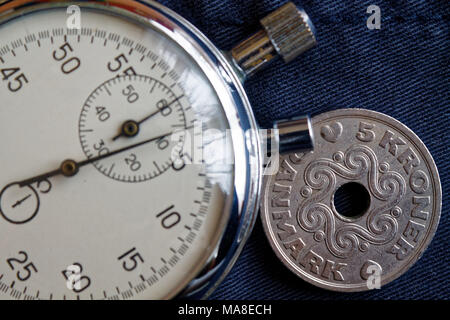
{"points": [[69, 168], [130, 128]]}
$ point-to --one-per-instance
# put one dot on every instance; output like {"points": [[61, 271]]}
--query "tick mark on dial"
{"points": [[111, 169], [153, 88], [157, 167]]}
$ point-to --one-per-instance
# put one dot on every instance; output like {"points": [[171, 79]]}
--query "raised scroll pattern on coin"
{"points": [[317, 214]]}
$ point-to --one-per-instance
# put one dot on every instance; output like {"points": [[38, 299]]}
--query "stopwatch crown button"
{"points": [[290, 30], [287, 32]]}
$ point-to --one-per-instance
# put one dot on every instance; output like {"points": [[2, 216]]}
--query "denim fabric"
{"points": [[401, 70]]}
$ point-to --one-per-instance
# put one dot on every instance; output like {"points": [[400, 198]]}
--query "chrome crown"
{"points": [[290, 31]]}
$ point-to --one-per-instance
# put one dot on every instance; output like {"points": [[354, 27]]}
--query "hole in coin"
{"points": [[351, 200]]}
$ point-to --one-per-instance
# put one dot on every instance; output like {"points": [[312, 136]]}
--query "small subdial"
{"points": [[125, 110], [18, 205]]}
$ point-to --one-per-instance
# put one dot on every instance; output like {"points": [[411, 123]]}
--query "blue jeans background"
{"points": [[401, 70]]}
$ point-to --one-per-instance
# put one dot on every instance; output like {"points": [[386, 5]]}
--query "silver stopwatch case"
{"points": [[225, 72]]}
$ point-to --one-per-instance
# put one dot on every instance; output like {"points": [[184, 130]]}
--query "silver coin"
{"points": [[389, 166]]}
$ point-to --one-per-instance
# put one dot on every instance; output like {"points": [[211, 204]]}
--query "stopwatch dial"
{"points": [[144, 100], [106, 190]]}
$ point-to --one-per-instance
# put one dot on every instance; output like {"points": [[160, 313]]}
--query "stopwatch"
{"points": [[132, 162]]}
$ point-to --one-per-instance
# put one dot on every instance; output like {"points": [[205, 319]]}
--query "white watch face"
{"points": [[130, 217]]}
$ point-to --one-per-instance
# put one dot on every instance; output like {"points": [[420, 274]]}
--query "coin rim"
{"points": [[434, 173]]}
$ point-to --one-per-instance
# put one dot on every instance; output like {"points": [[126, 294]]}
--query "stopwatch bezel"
{"points": [[240, 213]]}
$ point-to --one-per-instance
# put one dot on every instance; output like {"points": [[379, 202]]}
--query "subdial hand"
{"points": [[130, 128], [19, 202], [70, 168]]}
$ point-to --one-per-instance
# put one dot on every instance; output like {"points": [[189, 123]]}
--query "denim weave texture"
{"points": [[401, 70]]}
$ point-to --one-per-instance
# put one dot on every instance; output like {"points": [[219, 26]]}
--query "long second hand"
{"points": [[70, 168]]}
